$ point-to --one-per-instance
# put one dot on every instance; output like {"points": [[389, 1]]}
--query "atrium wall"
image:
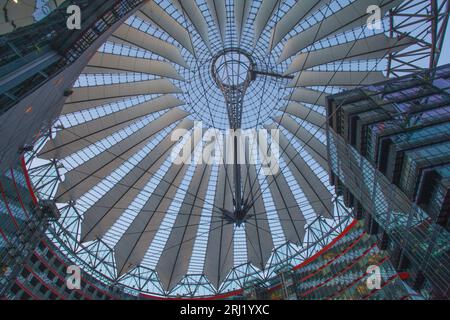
{"points": [[39, 65], [31, 267], [339, 272], [389, 156]]}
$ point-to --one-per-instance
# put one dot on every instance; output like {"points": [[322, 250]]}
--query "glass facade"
{"points": [[342, 271], [50, 42], [31, 267], [389, 152]]}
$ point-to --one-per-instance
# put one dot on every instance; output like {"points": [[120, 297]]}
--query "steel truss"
{"points": [[426, 21]]}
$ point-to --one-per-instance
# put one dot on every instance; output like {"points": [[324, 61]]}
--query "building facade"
{"points": [[31, 267], [353, 267], [389, 158]]}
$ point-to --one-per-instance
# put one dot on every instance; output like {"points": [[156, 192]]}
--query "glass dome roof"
{"points": [[186, 66]]}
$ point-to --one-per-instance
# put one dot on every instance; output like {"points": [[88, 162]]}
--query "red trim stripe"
{"points": [[351, 284], [327, 247], [82, 278], [24, 288], [386, 283], [341, 272], [27, 179], [52, 270], [354, 243], [45, 284], [4, 236]]}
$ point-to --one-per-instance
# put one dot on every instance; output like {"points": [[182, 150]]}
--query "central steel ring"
{"points": [[232, 68]]}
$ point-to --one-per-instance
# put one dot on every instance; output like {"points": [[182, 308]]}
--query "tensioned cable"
{"points": [[156, 175], [328, 117]]}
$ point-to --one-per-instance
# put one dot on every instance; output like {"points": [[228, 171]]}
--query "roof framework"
{"points": [[135, 219]]}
